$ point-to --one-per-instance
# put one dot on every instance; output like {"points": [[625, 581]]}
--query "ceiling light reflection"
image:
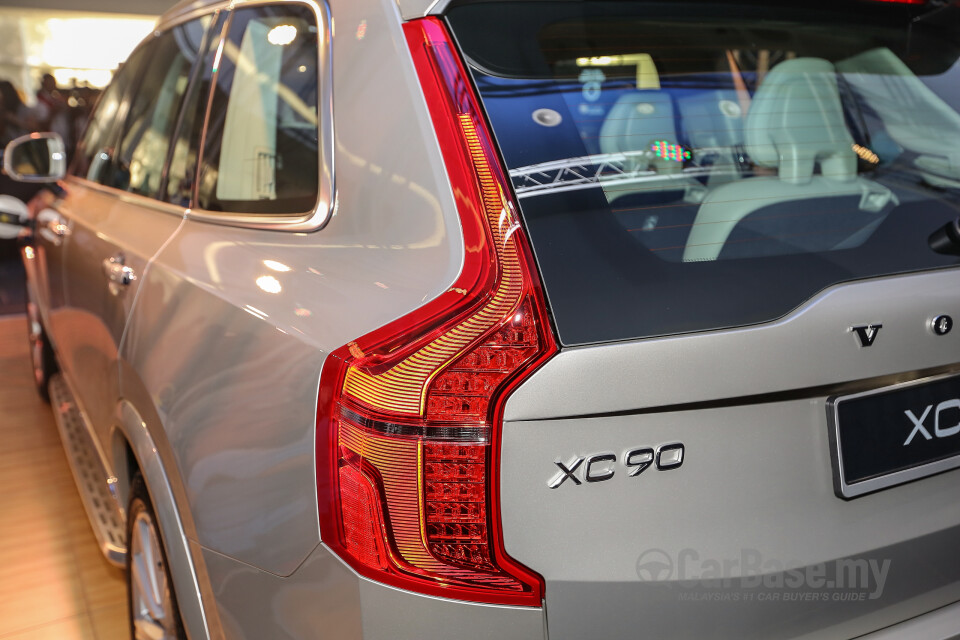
{"points": [[269, 284], [276, 266], [282, 34], [255, 312]]}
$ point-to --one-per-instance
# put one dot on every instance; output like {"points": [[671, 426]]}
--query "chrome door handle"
{"points": [[58, 228], [118, 273], [51, 227]]}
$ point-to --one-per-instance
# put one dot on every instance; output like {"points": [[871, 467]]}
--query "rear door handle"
{"points": [[118, 274]]}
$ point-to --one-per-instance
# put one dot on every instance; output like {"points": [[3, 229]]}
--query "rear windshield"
{"points": [[685, 166]]}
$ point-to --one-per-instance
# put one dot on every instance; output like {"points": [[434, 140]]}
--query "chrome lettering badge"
{"points": [[600, 467], [867, 333]]}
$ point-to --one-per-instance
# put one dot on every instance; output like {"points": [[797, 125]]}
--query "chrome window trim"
{"points": [[325, 206], [212, 36], [165, 22], [852, 490]]}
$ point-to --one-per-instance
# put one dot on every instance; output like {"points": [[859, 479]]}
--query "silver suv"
{"points": [[437, 319]]}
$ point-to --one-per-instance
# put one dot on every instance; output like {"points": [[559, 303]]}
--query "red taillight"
{"points": [[409, 416]]}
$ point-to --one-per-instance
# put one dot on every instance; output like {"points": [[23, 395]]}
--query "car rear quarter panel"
{"points": [[227, 348], [325, 599]]}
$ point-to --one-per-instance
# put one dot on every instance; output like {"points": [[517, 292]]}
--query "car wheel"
{"points": [[152, 602], [41, 353]]}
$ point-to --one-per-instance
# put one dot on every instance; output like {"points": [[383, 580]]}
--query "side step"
{"points": [[102, 508]]}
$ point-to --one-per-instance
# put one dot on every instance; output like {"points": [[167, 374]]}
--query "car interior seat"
{"points": [[639, 120], [653, 197], [636, 120], [795, 125]]}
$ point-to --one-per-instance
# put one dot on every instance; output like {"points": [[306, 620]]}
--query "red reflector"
{"points": [[362, 522], [409, 416]]}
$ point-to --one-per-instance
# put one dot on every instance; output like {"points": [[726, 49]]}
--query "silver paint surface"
{"points": [[810, 347], [232, 327], [325, 599]]}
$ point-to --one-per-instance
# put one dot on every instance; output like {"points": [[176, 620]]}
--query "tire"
{"points": [[42, 360], [151, 600]]}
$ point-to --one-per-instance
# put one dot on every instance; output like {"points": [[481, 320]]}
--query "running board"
{"points": [[91, 478]]}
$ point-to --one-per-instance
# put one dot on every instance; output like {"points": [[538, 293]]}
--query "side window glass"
{"points": [[95, 150], [150, 123], [261, 151], [186, 146]]}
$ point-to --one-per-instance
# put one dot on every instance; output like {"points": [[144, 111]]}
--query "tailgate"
{"points": [[748, 537]]}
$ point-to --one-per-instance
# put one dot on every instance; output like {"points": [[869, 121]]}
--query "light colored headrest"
{"points": [[636, 120], [796, 122]]}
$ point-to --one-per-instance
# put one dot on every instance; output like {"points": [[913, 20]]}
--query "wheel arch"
{"points": [[134, 450]]}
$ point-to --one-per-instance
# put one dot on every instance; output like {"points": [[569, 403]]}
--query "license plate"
{"points": [[893, 435]]}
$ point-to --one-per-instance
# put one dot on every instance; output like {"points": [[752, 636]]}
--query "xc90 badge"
{"points": [[603, 466]]}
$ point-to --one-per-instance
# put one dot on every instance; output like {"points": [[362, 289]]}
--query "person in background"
{"points": [[81, 101], [53, 110], [16, 118]]}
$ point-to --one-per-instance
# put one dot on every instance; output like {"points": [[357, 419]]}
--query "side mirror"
{"points": [[38, 157]]}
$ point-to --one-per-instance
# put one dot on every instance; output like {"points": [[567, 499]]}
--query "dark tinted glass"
{"points": [[96, 148], [154, 106], [685, 166], [184, 155], [261, 152]]}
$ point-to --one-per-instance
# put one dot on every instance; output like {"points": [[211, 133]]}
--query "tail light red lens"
{"points": [[409, 419]]}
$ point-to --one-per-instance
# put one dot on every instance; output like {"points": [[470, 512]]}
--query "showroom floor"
{"points": [[54, 583], [11, 279]]}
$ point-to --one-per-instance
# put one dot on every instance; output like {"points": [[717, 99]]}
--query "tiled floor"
{"points": [[54, 583]]}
